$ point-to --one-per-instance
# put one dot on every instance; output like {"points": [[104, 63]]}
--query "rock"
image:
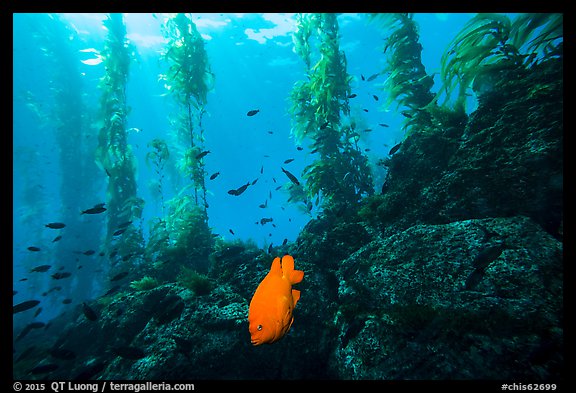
{"points": [[405, 313]]}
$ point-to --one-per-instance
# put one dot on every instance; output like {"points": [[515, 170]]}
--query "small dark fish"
{"points": [[124, 224], [89, 313], [127, 352], [406, 114], [128, 256], [254, 181], [299, 148], [59, 276], [94, 210], [239, 190], [41, 268], [43, 369], [372, 77], [474, 279], [265, 220], [262, 169], [231, 231], [107, 172], [112, 290], [394, 149], [119, 276], [352, 96], [23, 279], [89, 252], [33, 248], [383, 125], [57, 238], [63, 354], [37, 312], [274, 179], [365, 110], [323, 126], [277, 188], [55, 225], [14, 293], [291, 177], [368, 130], [214, 175], [28, 328], [252, 112], [270, 132], [314, 151], [270, 249], [27, 305], [23, 333], [285, 241], [203, 154], [362, 76], [288, 161], [67, 301], [117, 233], [487, 256], [375, 97]]}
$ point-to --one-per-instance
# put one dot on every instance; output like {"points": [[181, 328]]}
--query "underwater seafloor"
{"points": [[453, 269]]}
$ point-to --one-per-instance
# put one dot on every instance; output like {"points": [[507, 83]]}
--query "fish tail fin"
{"points": [[294, 276], [295, 296]]}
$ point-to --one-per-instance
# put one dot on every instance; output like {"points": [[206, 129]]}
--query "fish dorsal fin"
{"points": [[276, 268], [294, 276], [295, 296]]}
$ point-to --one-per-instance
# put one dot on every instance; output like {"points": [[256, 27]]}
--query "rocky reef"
{"points": [[453, 272]]}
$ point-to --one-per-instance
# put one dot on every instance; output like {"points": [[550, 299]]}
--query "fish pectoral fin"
{"points": [[296, 276], [295, 296]]}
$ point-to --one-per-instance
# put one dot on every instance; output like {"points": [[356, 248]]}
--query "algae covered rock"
{"points": [[410, 309]]}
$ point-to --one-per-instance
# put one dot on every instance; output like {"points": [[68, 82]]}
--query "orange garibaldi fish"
{"points": [[270, 314]]}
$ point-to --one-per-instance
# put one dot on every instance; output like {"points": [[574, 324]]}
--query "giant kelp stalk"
{"points": [[188, 79], [157, 156], [70, 119], [114, 154], [407, 82], [183, 238], [491, 47], [319, 108]]}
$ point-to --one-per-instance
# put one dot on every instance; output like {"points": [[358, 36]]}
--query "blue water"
{"points": [[255, 67]]}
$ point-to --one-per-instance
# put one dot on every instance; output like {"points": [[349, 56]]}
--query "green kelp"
{"points": [[188, 80], [320, 113], [503, 158], [183, 238], [157, 157], [492, 46], [196, 282], [113, 153], [407, 82]]}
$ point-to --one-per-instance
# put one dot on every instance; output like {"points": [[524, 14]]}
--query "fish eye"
{"points": [[259, 327]]}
